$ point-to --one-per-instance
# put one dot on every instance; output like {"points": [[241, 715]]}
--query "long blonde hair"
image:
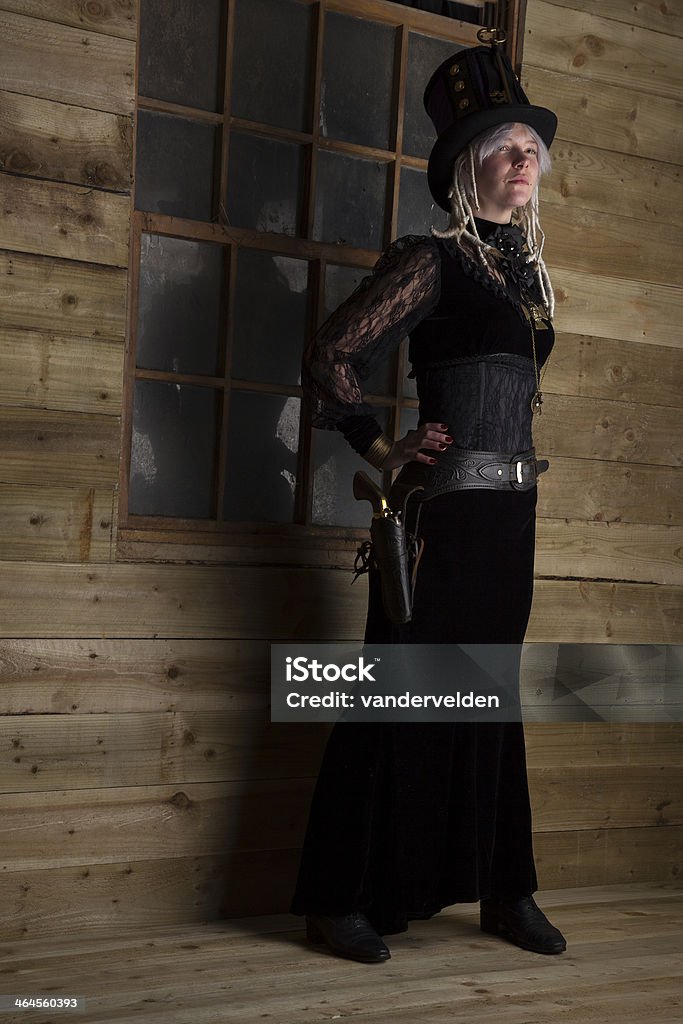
{"points": [[464, 202]]}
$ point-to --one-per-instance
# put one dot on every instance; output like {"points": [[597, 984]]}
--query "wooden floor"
{"points": [[624, 963]]}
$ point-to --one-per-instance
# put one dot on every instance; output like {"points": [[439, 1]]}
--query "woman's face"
{"points": [[508, 177]]}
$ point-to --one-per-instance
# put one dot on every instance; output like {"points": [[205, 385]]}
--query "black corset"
{"points": [[485, 400]]}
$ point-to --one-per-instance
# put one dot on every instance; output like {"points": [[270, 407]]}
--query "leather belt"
{"points": [[464, 469]]}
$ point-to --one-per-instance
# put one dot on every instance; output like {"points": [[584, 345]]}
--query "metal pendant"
{"points": [[536, 403]]}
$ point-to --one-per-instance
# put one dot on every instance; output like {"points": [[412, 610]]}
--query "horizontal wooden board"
{"points": [[590, 178], [75, 751], [41, 446], [609, 307], [82, 752], [652, 14], [588, 489], [67, 296], [44, 370], [609, 117], [43, 139], [635, 552], [57, 62], [95, 826], [621, 371], [608, 855], [115, 676], [602, 50], [69, 221], [614, 797], [585, 612], [610, 243], [596, 428], [49, 600], [117, 18], [104, 899], [53, 829], [59, 524]]}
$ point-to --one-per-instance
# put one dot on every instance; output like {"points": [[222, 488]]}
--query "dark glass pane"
{"points": [[350, 201], [270, 317], [356, 87], [424, 56], [263, 187], [174, 166], [262, 456], [339, 283], [179, 309], [409, 383], [334, 463], [272, 61], [179, 46], [417, 211], [172, 454], [409, 418]]}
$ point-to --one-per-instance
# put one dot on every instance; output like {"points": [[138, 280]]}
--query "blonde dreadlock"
{"points": [[463, 194]]}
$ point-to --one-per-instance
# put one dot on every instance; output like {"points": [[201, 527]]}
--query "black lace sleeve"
{"points": [[387, 304]]}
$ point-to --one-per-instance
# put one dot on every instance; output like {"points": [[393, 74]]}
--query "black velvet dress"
{"points": [[408, 818]]}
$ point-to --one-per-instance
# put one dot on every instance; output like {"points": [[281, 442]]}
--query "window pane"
{"points": [[179, 309], [270, 317], [272, 61], [179, 46], [340, 281], [356, 87], [334, 463], [174, 166], [409, 420], [263, 186], [172, 454], [350, 201], [424, 56], [417, 211], [262, 457]]}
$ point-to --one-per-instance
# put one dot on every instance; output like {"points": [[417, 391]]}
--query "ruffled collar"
{"points": [[509, 240]]}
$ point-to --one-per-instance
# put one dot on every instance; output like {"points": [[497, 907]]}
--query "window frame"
{"points": [[145, 537]]}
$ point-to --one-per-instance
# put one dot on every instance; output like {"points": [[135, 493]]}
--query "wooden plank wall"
{"points": [[141, 782]]}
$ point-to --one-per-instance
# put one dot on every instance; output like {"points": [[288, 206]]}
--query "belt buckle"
{"points": [[519, 469]]}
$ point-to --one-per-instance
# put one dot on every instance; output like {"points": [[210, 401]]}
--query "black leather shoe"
{"points": [[351, 936], [522, 922]]}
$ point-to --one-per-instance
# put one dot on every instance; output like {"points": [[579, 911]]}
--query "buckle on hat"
{"points": [[494, 36]]}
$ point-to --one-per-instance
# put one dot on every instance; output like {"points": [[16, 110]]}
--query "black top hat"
{"points": [[471, 91]]}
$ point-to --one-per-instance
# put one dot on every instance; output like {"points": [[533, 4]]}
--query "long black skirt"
{"points": [[408, 818]]}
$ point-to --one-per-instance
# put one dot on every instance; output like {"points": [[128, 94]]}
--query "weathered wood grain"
{"points": [[37, 371], [67, 296], [107, 17], [41, 446], [77, 751], [609, 243], [617, 492], [43, 139], [589, 178], [596, 428], [49, 600], [652, 14], [57, 62], [59, 524], [68, 221], [639, 552], [609, 117], [621, 371], [607, 306], [601, 50], [62, 676]]}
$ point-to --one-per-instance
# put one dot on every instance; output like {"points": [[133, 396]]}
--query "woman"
{"points": [[408, 818]]}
